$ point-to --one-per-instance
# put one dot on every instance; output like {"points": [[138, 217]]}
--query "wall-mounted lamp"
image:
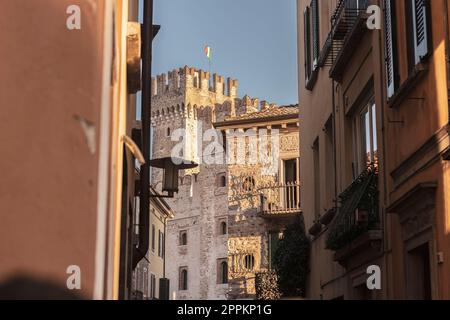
{"points": [[170, 167]]}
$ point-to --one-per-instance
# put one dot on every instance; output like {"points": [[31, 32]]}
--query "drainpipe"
{"points": [[385, 173], [334, 144], [140, 251], [164, 244]]}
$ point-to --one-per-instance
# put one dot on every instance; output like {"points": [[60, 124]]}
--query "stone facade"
{"points": [[183, 99], [217, 208], [249, 229]]}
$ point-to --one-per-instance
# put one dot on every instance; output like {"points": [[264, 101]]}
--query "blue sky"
{"points": [[253, 41]]}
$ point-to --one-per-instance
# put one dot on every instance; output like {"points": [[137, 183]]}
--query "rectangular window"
{"points": [[329, 160], [311, 40], [307, 44], [160, 244], [145, 284], [365, 144], [390, 47], [222, 271], [183, 279], [417, 31], [163, 245], [291, 193], [316, 161], [152, 286], [153, 238], [315, 32], [183, 238], [160, 240]]}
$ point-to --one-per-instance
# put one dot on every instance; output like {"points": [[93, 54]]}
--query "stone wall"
{"points": [[185, 100]]}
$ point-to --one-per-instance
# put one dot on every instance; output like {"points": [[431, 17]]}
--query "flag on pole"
{"points": [[208, 52]]}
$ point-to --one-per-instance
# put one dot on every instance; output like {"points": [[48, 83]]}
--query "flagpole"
{"points": [[209, 57]]}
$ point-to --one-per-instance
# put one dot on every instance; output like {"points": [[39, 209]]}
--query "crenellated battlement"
{"points": [[188, 93], [250, 105], [188, 78]]}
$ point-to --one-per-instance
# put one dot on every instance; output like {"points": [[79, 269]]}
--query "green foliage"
{"points": [[266, 285], [291, 260]]}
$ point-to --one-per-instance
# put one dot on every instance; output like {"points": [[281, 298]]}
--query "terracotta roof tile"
{"points": [[269, 112]]}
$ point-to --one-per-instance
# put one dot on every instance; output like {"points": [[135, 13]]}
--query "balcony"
{"points": [[280, 200], [356, 229], [348, 25]]}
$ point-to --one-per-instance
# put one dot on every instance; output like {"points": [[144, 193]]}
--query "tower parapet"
{"points": [[218, 84], [186, 78], [249, 105], [232, 85]]}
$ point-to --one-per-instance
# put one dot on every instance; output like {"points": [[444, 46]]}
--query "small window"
{"points": [[183, 283], [168, 132], [183, 238], [249, 262], [365, 145], [222, 271], [152, 286], [153, 238], [222, 181], [223, 228], [249, 184], [160, 244]]}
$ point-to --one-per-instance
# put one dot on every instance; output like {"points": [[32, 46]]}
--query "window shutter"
{"points": [[315, 29], [420, 26], [307, 40], [389, 46]]}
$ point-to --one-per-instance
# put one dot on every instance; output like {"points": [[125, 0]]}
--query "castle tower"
{"points": [[185, 103]]}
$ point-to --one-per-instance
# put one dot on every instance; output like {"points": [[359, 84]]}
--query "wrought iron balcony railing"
{"points": [[280, 199], [358, 211], [347, 15]]}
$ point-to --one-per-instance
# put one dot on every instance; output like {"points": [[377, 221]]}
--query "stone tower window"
{"points": [[249, 262], [183, 238], [223, 228], [168, 132], [221, 180], [183, 280], [222, 271]]}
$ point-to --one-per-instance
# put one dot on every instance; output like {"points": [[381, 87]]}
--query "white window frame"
{"points": [[360, 138]]}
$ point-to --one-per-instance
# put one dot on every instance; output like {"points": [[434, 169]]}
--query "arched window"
{"points": [[183, 285], [223, 227], [183, 238], [223, 181], [168, 132], [224, 271], [249, 262]]}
